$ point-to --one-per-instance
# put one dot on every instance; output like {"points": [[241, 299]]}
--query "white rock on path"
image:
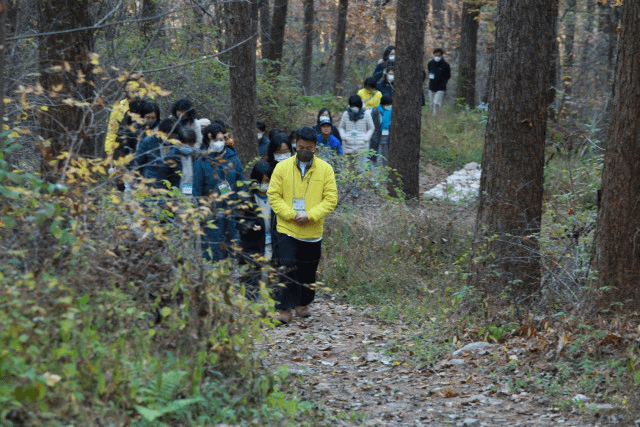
{"points": [[463, 184]]}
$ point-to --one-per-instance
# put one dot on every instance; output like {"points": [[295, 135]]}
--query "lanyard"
{"points": [[308, 173]]}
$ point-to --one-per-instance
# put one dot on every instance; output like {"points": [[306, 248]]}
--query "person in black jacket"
{"points": [[439, 75], [255, 224]]}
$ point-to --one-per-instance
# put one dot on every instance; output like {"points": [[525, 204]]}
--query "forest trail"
{"points": [[346, 361]]}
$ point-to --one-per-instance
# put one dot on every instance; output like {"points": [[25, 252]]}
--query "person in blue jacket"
{"points": [[152, 156], [385, 108], [217, 179], [325, 138]]}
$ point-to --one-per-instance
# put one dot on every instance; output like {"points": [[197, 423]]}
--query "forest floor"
{"points": [[346, 362], [367, 372]]}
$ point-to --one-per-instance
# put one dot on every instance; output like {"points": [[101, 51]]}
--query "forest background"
{"points": [[107, 313]]}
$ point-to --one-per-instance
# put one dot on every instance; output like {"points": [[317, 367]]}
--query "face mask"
{"points": [[355, 109], [259, 136], [263, 188], [437, 58], [293, 146], [280, 157], [305, 155], [216, 146], [387, 107], [390, 78], [392, 57]]}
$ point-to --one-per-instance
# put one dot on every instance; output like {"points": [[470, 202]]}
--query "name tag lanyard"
{"points": [[299, 204]]}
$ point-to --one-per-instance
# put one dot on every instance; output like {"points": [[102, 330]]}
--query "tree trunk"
{"points": [[468, 53], [438, 21], [341, 44], [149, 11], [265, 27], [278, 23], [307, 54], [505, 248], [404, 144], [3, 20], [243, 25], [65, 73], [583, 77], [616, 242]]}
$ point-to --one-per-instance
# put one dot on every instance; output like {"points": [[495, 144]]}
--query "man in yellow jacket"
{"points": [[302, 192]]}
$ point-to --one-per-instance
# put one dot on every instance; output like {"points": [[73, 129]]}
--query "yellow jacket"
{"points": [[370, 99], [318, 189], [116, 116]]}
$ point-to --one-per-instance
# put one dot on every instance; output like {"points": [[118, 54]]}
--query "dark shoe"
{"points": [[284, 316], [303, 311]]}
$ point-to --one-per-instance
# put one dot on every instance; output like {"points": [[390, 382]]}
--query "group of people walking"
{"points": [[278, 214]]}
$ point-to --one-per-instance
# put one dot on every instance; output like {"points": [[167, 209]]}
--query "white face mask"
{"points": [[216, 146], [392, 57], [259, 135], [390, 78], [280, 157], [263, 188], [437, 58], [387, 107], [355, 109]]}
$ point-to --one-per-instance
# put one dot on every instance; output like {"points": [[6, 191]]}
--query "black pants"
{"points": [[299, 261]]}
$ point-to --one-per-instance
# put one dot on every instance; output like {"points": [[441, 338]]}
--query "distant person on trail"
{"points": [[263, 141], [385, 86], [302, 192], [388, 56], [439, 75], [325, 112], [385, 109], [369, 94]]}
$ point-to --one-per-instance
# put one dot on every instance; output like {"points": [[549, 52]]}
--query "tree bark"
{"points": [[307, 54], [65, 73], [341, 44], [438, 21], [3, 20], [468, 53], [265, 27], [149, 10], [404, 144], [505, 248], [278, 24], [617, 247], [243, 28]]}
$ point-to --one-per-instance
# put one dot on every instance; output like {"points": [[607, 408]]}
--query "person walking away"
{"points": [[385, 109], [369, 94], [302, 192], [217, 175], [439, 75]]}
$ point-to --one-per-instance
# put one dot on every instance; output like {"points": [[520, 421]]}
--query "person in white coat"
{"points": [[356, 129]]}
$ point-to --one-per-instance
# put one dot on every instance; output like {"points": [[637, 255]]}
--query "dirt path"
{"points": [[343, 358]]}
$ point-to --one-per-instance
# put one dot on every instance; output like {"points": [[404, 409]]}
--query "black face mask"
{"points": [[305, 155]]}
